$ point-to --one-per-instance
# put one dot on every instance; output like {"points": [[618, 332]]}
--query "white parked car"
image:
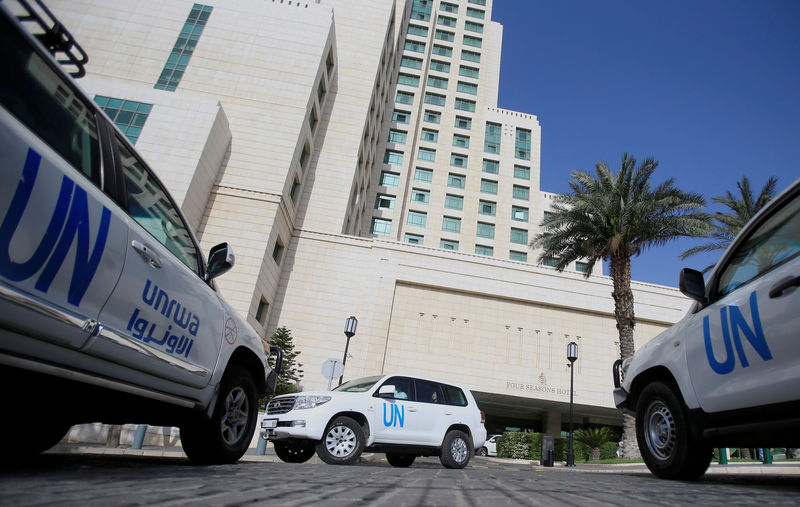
{"points": [[489, 447], [400, 415], [727, 374], [108, 310]]}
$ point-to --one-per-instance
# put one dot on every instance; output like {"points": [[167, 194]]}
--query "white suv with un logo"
{"points": [[399, 415]]}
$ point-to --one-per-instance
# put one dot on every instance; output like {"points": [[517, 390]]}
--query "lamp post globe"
{"points": [[350, 326]]}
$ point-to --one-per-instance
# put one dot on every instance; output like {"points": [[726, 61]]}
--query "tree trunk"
{"points": [[595, 453], [626, 320]]}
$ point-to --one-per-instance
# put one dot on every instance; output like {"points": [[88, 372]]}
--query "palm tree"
{"points": [[594, 438], [614, 217], [740, 210]]}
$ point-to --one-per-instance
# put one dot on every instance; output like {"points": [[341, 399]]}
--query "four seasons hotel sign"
{"points": [[540, 387]]}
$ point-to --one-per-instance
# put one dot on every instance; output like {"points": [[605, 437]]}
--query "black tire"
{"points": [[400, 460], [482, 452], [665, 438], [44, 434], [456, 449], [225, 437], [342, 443], [294, 451]]}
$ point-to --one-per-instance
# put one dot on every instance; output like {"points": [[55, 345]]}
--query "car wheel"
{"points": [[342, 442], [294, 451], [482, 452], [45, 433], [664, 435], [400, 460], [456, 449], [226, 436]]}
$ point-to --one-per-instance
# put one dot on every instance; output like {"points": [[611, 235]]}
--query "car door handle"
{"points": [[788, 283], [412, 409], [146, 253]]}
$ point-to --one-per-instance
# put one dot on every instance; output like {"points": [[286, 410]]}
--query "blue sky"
{"points": [[709, 88]]}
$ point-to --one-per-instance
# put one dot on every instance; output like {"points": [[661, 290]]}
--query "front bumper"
{"points": [[620, 394]]}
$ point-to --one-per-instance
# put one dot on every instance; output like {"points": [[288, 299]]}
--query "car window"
{"points": [[429, 392], [358, 385], [39, 97], [455, 396], [770, 244], [149, 205], [403, 388]]}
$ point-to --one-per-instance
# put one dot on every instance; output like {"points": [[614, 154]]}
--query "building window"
{"points": [[329, 62], [304, 156], [451, 224], [519, 236], [519, 213], [521, 192], [422, 31], [277, 251], [489, 187], [548, 215], [404, 98], [437, 82], [440, 66], [417, 47], [478, 2], [475, 42], [492, 141], [465, 71], [434, 99], [456, 180], [485, 230], [446, 21], [448, 244], [184, 47], [471, 26], [393, 157], [470, 88], [294, 189], [522, 172], [491, 166], [261, 312], [462, 122], [389, 179], [312, 118], [470, 56], [421, 10], [429, 135], [454, 202], [426, 154], [484, 250], [523, 144], [407, 80], [465, 105], [411, 63], [475, 13], [445, 35], [448, 7], [420, 196], [397, 136], [518, 256], [414, 239], [417, 218], [423, 175], [400, 116], [442, 50], [321, 91], [581, 267], [381, 227], [460, 140], [128, 115], [457, 160], [487, 208], [384, 201], [550, 261], [433, 116]]}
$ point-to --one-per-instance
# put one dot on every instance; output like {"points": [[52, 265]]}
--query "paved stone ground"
{"points": [[98, 476]]}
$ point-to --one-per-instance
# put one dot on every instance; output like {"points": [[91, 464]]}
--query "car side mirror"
{"points": [[692, 285], [386, 391], [220, 261]]}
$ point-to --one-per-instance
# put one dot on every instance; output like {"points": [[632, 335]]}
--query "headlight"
{"points": [[310, 401]]}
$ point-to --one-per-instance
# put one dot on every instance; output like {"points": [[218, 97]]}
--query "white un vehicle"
{"points": [[108, 311], [728, 374], [403, 416]]}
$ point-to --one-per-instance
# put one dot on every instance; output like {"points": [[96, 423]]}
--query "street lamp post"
{"points": [[349, 330], [572, 355]]}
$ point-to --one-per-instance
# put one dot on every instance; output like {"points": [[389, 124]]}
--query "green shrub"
{"points": [[608, 450], [513, 445]]}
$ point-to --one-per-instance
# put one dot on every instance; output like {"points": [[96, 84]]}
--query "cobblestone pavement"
{"points": [[91, 477]]}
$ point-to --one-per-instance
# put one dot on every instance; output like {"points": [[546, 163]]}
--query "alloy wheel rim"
{"points": [[458, 450], [340, 441], [660, 431], [234, 421]]}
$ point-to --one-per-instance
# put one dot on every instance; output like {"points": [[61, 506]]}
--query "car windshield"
{"points": [[358, 385]]}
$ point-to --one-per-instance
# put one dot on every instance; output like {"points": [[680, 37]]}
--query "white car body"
{"points": [[107, 307], [414, 422], [491, 445], [733, 362]]}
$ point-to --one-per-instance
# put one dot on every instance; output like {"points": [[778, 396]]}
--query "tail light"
{"points": [[483, 417]]}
